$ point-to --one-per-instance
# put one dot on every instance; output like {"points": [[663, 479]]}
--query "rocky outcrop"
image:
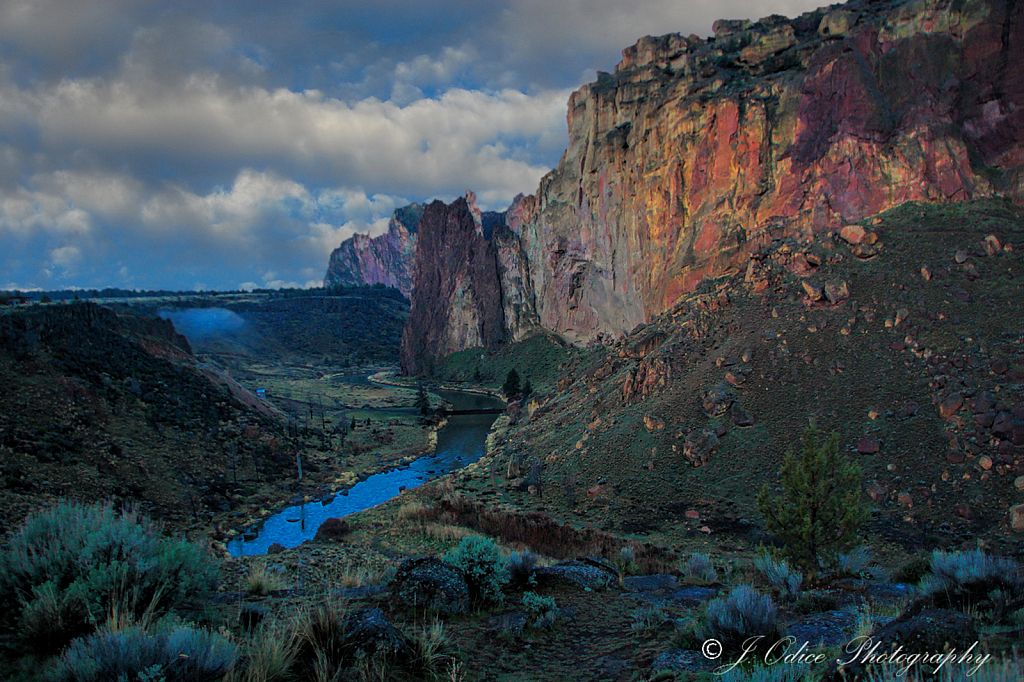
{"points": [[695, 153], [387, 259], [456, 298]]}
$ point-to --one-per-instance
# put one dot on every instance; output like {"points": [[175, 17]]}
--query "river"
{"points": [[461, 442]]}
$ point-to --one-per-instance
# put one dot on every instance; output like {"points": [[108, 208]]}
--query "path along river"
{"points": [[461, 442]]}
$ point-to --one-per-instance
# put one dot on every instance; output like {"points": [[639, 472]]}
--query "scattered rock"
{"points": [[814, 291], [926, 274], [992, 245], [905, 500], [985, 462], [908, 410], [852, 234], [960, 256], [718, 400], [949, 406], [652, 423], [868, 446], [740, 417], [1017, 518], [901, 315], [1018, 483], [877, 492], [368, 632], [963, 511], [999, 366], [683, 661], [836, 291], [828, 628], [275, 548]]}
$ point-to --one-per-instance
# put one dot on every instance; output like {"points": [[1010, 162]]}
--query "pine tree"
{"points": [[511, 386], [820, 509], [422, 400]]}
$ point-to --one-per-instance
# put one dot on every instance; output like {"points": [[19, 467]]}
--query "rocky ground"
{"points": [[902, 334]]}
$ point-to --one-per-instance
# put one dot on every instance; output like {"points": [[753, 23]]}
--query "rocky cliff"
{"points": [[695, 153], [386, 259], [456, 297]]}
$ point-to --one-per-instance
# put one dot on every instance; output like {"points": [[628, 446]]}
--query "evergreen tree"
{"points": [[527, 388], [819, 511], [422, 400], [511, 386]]}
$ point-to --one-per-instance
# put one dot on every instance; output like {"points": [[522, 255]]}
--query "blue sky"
{"points": [[184, 145]]}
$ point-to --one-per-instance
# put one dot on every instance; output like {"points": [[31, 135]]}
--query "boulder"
{"points": [[699, 445], [587, 574], [332, 530], [718, 399], [429, 583]]}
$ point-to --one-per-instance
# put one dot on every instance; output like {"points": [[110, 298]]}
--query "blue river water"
{"points": [[461, 442]]}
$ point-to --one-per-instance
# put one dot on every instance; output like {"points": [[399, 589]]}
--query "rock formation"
{"points": [[696, 153], [386, 259], [456, 298]]}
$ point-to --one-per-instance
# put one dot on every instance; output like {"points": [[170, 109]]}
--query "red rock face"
{"points": [[456, 297], [695, 153]]}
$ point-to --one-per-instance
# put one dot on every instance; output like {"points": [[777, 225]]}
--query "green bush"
{"points": [[178, 655], [745, 613], [70, 568], [541, 611], [913, 570], [486, 572]]}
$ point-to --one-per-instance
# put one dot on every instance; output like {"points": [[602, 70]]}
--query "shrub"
{"points": [[485, 570], [820, 510], [625, 562], [855, 563], [913, 570], [648, 619], [779, 574], [779, 672], [965, 579], [815, 602], [260, 581], [745, 613], [71, 567], [267, 657], [541, 611], [700, 567], [178, 655], [520, 569]]}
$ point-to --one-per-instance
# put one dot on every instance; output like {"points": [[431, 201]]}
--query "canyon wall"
{"points": [[695, 153]]}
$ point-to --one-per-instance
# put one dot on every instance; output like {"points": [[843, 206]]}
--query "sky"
{"points": [[187, 145]]}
